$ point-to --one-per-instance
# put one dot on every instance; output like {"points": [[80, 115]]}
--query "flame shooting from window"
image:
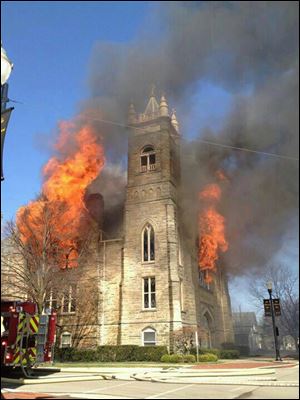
{"points": [[211, 227]]}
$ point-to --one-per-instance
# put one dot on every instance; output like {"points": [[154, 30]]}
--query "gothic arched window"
{"points": [[206, 336], [149, 337], [148, 159], [148, 245]]}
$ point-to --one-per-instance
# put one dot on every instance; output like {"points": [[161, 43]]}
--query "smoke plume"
{"points": [[249, 51]]}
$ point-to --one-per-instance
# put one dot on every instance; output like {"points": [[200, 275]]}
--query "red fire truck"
{"points": [[27, 337]]}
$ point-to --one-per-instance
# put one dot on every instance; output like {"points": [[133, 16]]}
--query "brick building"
{"points": [[146, 280]]}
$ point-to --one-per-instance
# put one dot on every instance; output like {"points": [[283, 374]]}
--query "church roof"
{"points": [[244, 319]]}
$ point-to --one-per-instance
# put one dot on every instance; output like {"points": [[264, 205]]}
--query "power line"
{"points": [[205, 141], [122, 125], [250, 150]]}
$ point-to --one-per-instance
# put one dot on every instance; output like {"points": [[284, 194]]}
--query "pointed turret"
{"points": [[131, 113], [174, 120], [152, 106], [163, 107]]}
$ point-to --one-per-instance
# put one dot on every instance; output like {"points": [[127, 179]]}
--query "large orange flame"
{"points": [[211, 229], [79, 161]]}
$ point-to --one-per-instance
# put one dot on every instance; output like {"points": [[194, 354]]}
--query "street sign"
{"points": [[277, 309], [267, 308]]}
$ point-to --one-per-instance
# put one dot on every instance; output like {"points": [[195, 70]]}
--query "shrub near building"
{"points": [[208, 357], [178, 358], [111, 354], [221, 354]]}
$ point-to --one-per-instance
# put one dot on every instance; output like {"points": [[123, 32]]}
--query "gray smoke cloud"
{"points": [[111, 184], [251, 51]]}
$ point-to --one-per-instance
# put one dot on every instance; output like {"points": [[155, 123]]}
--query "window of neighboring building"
{"points": [[148, 159], [69, 300], [149, 337], [149, 300], [52, 301], [148, 244], [66, 340]]}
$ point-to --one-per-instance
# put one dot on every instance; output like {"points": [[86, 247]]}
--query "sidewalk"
{"points": [[241, 364]]}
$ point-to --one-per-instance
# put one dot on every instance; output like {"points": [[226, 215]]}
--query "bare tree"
{"points": [[184, 340], [41, 256], [285, 287]]}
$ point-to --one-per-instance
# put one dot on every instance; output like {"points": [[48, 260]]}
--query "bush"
{"points": [[116, 353], [66, 354], [224, 354], [172, 358], [208, 357], [84, 355], [210, 351], [228, 354], [125, 352], [150, 353], [189, 358], [111, 353]]}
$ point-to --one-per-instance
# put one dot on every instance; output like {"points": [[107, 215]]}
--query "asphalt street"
{"points": [[117, 389]]}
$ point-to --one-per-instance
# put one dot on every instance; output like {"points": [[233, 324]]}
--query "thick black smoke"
{"points": [[251, 51]]}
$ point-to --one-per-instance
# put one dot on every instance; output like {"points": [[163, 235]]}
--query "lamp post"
{"points": [[6, 68], [269, 287]]}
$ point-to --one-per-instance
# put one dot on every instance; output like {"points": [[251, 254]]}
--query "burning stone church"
{"points": [[148, 282]]}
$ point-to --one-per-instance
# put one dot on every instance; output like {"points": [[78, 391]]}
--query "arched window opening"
{"points": [[149, 337], [148, 159], [66, 340], [148, 244], [203, 274], [206, 339]]}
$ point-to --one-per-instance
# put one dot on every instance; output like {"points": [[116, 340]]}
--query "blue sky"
{"points": [[50, 44]]}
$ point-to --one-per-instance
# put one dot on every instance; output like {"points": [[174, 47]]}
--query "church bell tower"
{"points": [[151, 285]]}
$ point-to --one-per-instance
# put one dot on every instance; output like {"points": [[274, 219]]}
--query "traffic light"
{"points": [[277, 310], [267, 308]]}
